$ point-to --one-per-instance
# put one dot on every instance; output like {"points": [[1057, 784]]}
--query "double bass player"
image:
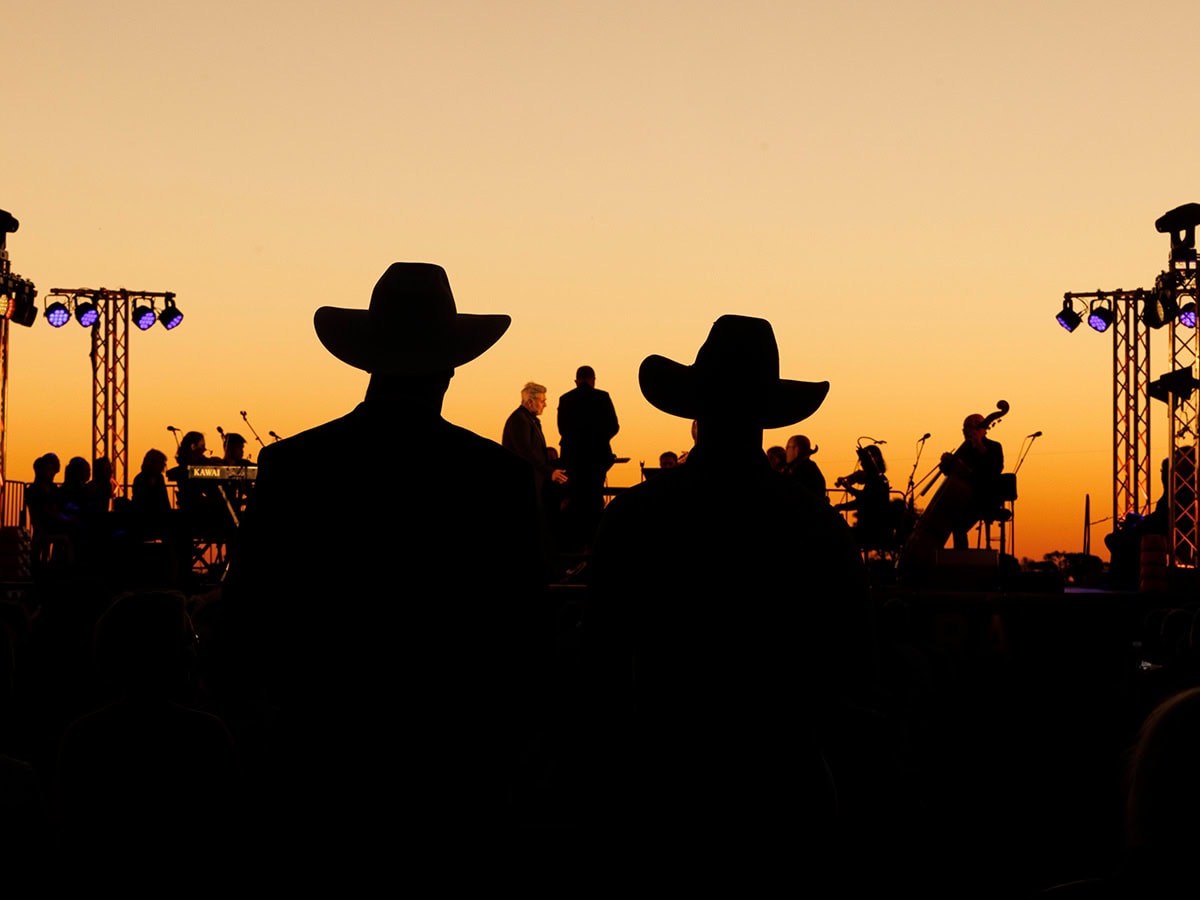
{"points": [[978, 462], [970, 491]]}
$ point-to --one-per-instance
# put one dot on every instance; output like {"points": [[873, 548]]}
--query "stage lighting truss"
{"points": [[90, 307], [1155, 308], [1067, 317]]}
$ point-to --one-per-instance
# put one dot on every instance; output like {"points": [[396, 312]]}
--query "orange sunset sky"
{"points": [[905, 189]]}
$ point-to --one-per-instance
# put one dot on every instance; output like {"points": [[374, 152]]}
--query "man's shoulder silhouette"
{"points": [[689, 529], [395, 433], [391, 491], [357, 500]]}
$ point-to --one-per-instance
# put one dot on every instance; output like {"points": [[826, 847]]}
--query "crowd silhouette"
{"points": [[392, 682]]}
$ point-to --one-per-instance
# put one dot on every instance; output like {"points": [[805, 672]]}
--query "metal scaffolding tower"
{"points": [[110, 383], [16, 305], [1178, 296], [1133, 316]]}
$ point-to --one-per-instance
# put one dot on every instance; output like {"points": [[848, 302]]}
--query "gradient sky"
{"points": [[905, 190]]}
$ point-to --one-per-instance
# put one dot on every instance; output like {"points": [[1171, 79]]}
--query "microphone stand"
{"points": [[910, 491], [252, 431], [174, 431], [1025, 448]]}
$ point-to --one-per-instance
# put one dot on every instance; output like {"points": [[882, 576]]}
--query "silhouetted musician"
{"points": [[222, 472], [231, 483]]}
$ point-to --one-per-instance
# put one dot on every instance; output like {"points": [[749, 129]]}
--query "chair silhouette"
{"points": [[1000, 515]]}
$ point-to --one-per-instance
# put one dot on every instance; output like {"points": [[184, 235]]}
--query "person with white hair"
{"points": [[523, 435]]}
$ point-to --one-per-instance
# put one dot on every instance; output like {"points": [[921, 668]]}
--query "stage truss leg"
{"points": [[110, 380], [1185, 421], [1131, 409]]}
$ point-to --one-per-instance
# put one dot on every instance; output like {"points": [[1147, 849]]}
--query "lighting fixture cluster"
{"points": [[16, 299], [144, 316], [82, 305], [1159, 307]]}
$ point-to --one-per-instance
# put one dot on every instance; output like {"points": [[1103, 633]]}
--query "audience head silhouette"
{"points": [[145, 644], [1163, 779], [734, 378], [412, 326], [410, 338]]}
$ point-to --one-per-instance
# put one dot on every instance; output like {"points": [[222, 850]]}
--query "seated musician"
{"points": [[235, 455], [870, 494], [800, 466], [235, 451], [199, 501], [978, 462]]}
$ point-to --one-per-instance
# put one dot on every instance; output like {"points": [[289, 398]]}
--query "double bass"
{"points": [[954, 495]]}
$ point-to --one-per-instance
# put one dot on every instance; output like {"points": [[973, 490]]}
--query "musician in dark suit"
{"points": [[392, 627], [587, 422]]}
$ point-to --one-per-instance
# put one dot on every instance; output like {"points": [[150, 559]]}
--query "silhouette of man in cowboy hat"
{"points": [[726, 601], [390, 620]]}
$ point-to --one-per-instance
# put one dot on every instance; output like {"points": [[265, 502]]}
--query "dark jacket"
{"points": [[587, 422], [391, 616], [731, 607], [523, 436]]}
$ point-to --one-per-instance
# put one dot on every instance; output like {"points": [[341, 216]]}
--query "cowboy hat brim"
{"points": [[677, 390], [353, 337]]}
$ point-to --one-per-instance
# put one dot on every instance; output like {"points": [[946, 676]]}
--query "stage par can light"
{"points": [[144, 317], [57, 314], [1100, 318], [1160, 309], [86, 313], [1187, 314], [1068, 318], [170, 316]]}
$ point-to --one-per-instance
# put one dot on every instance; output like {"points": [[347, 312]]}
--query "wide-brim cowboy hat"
{"points": [[736, 373], [412, 326]]}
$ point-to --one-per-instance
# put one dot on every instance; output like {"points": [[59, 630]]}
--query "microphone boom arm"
{"points": [[252, 431]]}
